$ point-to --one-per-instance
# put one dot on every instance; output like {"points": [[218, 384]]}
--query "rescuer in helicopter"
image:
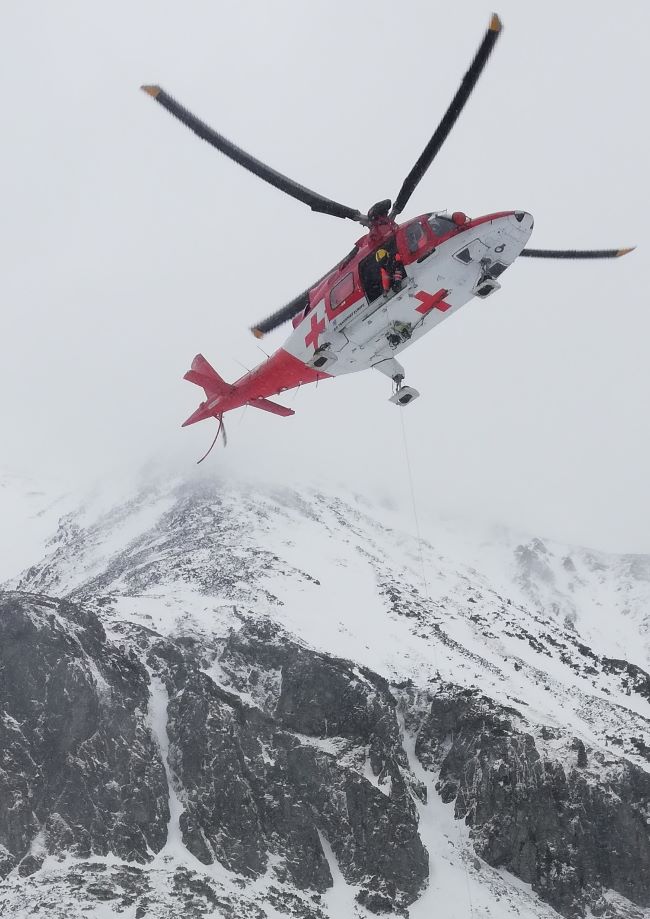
{"points": [[391, 270]]}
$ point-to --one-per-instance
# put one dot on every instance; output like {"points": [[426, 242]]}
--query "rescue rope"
{"points": [[428, 602]]}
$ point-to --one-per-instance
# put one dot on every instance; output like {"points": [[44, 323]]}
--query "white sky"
{"points": [[127, 244]]}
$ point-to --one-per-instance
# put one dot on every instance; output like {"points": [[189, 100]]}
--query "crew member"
{"points": [[391, 270]]}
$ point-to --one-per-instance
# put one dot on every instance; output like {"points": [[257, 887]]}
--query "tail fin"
{"points": [[203, 374], [199, 415]]}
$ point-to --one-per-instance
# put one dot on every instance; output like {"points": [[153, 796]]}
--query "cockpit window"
{"points": [[415, 237], [441, 225]]}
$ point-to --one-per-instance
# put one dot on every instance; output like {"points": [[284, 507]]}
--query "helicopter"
{"points": [[399, 281]]}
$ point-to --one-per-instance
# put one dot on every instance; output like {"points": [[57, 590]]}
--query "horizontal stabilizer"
{"points": [[273, 407]]}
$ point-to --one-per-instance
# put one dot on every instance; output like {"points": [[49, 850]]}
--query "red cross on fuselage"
{"points": [[432, 301], [317, 326]]}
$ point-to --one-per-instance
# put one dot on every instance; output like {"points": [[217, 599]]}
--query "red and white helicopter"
{"points": [[346, 321]]}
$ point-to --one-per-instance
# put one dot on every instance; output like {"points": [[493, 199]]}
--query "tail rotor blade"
{"points": [[450, 117], [220, 430]]}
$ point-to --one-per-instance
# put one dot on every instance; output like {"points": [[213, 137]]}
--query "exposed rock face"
{"points": [[79, 770], [568, 823], [267, 781], [275, 748]]}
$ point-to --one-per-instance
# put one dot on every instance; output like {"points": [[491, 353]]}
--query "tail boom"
{"points": [[280, 372]]}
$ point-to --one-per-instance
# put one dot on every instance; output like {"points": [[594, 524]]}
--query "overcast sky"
{"points": [[127, 244]]}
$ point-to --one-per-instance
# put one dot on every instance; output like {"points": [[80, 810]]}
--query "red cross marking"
{"points": [[432, 301], [317, 326]]}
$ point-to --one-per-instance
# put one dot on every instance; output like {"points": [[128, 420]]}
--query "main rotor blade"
{"points": [[315, 201], [443, 130], [575, 253], [284, 314]]}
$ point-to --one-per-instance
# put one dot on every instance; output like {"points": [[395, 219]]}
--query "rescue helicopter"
{"points": [[399, 281]]}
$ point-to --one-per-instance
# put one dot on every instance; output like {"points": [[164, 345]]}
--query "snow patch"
{"points": [[158, 703], [340, 898]]}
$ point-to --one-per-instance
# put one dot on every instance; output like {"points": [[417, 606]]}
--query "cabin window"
{"points": [[342, 291], [441, 225]]}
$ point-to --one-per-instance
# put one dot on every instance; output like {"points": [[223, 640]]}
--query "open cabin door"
{"points": [[370, 271]]}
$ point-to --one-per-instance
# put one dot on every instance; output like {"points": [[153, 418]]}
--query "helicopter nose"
{"points": [[525, 220]]}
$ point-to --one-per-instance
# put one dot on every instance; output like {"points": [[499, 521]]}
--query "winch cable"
{"points": [[415, 509], [428, 603]]}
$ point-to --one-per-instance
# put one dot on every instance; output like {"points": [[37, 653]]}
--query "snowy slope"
{"points": [[560, 633]]}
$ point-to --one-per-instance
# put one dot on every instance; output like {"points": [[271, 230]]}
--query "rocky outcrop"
{"points": [[267, 782], [282, 759], [263, 786], [79, 770], [569, 823]]}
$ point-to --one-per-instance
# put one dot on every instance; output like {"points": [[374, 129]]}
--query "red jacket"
{"points": [[392, 273]]}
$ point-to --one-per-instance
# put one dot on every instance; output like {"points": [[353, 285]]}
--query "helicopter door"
{"points": [[344, 293], [370, 272]]}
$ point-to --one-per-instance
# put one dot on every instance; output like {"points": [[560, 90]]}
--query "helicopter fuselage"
{"points": [[442, 274], [349, 323]]}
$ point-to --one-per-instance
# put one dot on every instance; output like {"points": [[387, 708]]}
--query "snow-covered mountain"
{"points": [[278, 702]]}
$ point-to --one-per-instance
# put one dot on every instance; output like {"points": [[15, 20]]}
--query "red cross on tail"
{"points": [[317, 326]]}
